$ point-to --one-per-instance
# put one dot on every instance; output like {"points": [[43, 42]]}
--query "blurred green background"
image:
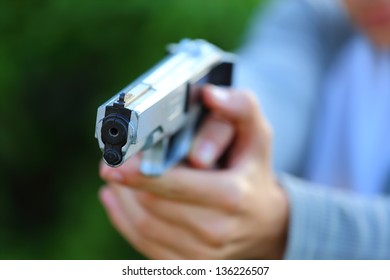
{"points": [[59, 60]]}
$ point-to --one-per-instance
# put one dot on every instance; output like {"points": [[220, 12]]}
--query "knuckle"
{"points": [[217, 242], [217, 232], [248, 104], [251, 99], [215, 236]]}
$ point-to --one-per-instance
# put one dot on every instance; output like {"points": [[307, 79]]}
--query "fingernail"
{"points": [[115, 177], [220, 94], [107, 197], [205, 152]]}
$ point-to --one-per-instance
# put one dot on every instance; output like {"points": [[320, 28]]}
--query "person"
{"points": [[318, 187]]}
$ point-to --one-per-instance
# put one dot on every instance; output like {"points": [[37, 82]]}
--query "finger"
{"points": [[209, 225], [252, 139], [118, 174], [116, 213], [211, 188], [156, 235], [123, 223], [211, 141], [237, 106]]}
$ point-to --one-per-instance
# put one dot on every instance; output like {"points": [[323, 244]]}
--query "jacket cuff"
{"points": [[308, 214]]}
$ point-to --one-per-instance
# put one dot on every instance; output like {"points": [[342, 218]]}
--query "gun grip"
{"points": [[169, 151]]}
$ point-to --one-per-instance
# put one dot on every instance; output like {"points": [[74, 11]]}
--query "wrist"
{"points": [[280, 223]]}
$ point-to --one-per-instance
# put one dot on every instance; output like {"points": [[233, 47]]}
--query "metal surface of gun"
{"points": [[158, 112]]}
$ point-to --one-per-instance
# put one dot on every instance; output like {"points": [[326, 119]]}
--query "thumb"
{"points": [[211, 141], [240, 108]]}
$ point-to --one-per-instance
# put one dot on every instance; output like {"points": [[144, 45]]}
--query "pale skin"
{"points": [[197, 211]]}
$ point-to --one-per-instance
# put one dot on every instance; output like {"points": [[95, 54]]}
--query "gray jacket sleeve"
{"points": [[284, 60], [330, 224]]}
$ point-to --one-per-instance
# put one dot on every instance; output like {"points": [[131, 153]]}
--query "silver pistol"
{"points": [[158, 113]]}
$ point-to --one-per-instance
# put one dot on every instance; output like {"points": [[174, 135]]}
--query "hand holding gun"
{"points": [[158, 113]]}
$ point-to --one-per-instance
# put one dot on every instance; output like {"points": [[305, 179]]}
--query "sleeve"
{"points": [[331, 224], [283, 62]]}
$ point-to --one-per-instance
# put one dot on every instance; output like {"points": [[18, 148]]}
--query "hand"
{"points": [[238, 212]]}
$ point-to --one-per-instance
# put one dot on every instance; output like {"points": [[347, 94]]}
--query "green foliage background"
{"points": [[59, 60]]}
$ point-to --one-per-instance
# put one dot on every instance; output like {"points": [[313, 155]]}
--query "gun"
{"points": [[158, 113]]}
